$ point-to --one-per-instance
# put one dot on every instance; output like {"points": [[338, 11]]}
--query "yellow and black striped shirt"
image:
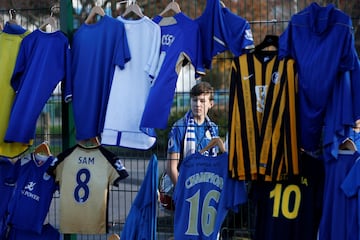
{"points": [[262, 117]]}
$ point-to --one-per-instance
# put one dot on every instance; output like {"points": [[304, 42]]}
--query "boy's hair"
{"points": [[200, 88]]}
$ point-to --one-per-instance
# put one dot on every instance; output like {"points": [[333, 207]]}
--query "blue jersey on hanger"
{"points": [[13, 29], [341, 112], [339, 218], [95, 50], [321, 41], [42, 62], [222, 30], [141, 220], [30, 203], [180, 41], [203, 196]]}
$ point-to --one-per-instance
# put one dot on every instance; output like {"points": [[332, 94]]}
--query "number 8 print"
{"points": [[82, 186]]}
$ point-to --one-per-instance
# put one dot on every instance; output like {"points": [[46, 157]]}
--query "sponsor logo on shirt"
{"points": [[167, 39], [119, 165], [266, 59], [28, 191], [46, 176], [275, 77]]}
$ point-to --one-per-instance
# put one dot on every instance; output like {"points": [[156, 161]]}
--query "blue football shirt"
{"points": [[321, 41], [32, 197], [223, 30], [179, 41], [96, 49], [42, 62], [339, 116], [339, 218], [141, 220], [203, 196]]}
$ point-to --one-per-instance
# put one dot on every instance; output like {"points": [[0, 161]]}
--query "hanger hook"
{"points": [[129, 2], [54, 9], [12, 14]]}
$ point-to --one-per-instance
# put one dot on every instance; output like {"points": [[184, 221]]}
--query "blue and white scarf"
{"points": [[190, 138]]}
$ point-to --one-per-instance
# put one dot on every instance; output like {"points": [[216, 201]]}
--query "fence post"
{"points": [[68, 127]]}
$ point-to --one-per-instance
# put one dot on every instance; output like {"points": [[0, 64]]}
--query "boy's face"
{"points": [[200, 105]]}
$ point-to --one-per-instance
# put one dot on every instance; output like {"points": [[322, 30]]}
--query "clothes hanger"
{"points": [[12, 16], [222, 4], [348, 144], [216, 141], [269, 41], [49, 21], [43, 149], [91, 142], [96, 10], [114, 236], [133, 7], [173, 6]]}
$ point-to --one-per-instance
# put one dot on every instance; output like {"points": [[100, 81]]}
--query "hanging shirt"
{"points": [[141, 221], [10, 40], [41, 64], [203, 196], [180, 41], [223, 30], [96, 50], [340, 112], [263, 121], [131, 85], [329, 51], [8, 176], [84, 176], [337, 207], [290, 208], [32, 197]]}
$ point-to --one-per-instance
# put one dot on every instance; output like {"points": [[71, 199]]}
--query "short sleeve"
{"points": [[122, 51]]}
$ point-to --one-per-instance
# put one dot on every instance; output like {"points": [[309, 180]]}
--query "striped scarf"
{"points": [[190, 138]]}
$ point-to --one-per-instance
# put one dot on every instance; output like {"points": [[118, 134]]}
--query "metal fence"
{"points": [[265, 17]]}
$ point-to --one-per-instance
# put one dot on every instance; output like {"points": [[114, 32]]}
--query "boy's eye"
{"points": [[197, 99]]}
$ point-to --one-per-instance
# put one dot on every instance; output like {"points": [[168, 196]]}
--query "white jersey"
{"points": [[131, 86]]}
